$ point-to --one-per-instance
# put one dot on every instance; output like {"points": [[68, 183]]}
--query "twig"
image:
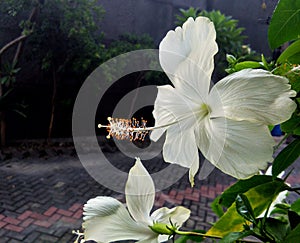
{"points": [[281, 142], [13, 42]]}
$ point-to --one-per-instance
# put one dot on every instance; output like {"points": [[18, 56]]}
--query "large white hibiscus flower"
{"points": [[227, 123], [107, 220]]}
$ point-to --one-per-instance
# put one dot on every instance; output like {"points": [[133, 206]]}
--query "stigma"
{"points": [[126, 129]]}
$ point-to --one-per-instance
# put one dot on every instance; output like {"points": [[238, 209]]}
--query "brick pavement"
{"points": [[41, 197]]}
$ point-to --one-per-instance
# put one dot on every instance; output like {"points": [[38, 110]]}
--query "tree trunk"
{"points": [[2, 117], [20, 41], [53, 100]]}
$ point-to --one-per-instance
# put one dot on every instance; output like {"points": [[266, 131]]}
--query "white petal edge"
{"points": [[140, 193], [171, 107], [238, 148], [195, 40], [107, 220], [177, 215], [180, 148], [254, 95]]}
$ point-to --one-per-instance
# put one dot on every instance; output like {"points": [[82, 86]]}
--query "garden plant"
{"points": [[229, 123]]}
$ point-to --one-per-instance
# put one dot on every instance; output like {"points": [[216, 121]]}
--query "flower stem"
{"points": [[192, 233], [281, 142]]}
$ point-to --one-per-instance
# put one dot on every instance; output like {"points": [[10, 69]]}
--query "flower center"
{"points": [[204, 111]]}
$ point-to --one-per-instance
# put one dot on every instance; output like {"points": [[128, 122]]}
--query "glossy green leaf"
{"points": [[277, 228], [285, 22], [247, 64], [293, 236], [244, 208], [216, 207], [229, 195], [296, 206], [231, 59], [286, 157], [294, 219], [259, 197], [234, 236], [289, 54], [291, 125], [188, 238]]}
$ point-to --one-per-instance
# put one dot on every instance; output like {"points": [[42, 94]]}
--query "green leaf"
{"points": [[291, 125], [4, 80], [277, 228], [259, 197], [231, 59], [286, 157], [247, 64], [294, 236], [244, 208], [228, 196], [294, 219], [234, 236], [289, 53], [216, 207], [285, 22], [296, 206], [186, 238]]}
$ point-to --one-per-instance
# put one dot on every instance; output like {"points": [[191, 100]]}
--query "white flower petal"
{"points": [[169, 107], [180, 148], [140, 193], [177, 215], [191, 81], [253, 95], [150, 240], [238, 148], [107, 220], [195, 41]]}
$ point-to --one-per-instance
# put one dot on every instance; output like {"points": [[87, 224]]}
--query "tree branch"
{"points": [[13, 42]]}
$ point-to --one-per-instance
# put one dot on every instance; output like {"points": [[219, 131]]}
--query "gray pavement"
{"points": [[43, 189]]}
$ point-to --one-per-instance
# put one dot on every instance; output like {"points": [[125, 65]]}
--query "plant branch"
{"points": [[13, 42], [281, 142], [191, 233]]}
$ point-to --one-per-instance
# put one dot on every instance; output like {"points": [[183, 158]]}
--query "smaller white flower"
{"points": [[107, 220]]}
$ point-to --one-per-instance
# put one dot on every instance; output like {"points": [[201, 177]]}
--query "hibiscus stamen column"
{"points": [[130, 129], [126, 129]]}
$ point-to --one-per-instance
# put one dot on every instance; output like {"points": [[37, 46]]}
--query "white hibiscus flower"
{"points": [[107, 220], [227, 123]]}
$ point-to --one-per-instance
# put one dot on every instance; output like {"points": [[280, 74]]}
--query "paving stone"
{"points": [[41, 200], [31, 237]]}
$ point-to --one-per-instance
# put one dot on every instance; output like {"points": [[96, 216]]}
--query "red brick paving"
{"points": [[45, 220], [41, 202]]}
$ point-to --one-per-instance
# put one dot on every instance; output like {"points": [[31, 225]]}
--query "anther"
{"points": [[126, 129]]}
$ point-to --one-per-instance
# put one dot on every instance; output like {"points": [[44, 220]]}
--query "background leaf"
{"points": [[286, 157], [186, 238], [291, 125], [228, 197], [296, 206], [294, 236], [290, 54], [285, 22], [234, 236], [244, 208], [277, 228], [259, 197]]}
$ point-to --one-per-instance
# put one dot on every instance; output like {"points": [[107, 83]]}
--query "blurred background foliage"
{"points": [[229, 37], [61, 43]]}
